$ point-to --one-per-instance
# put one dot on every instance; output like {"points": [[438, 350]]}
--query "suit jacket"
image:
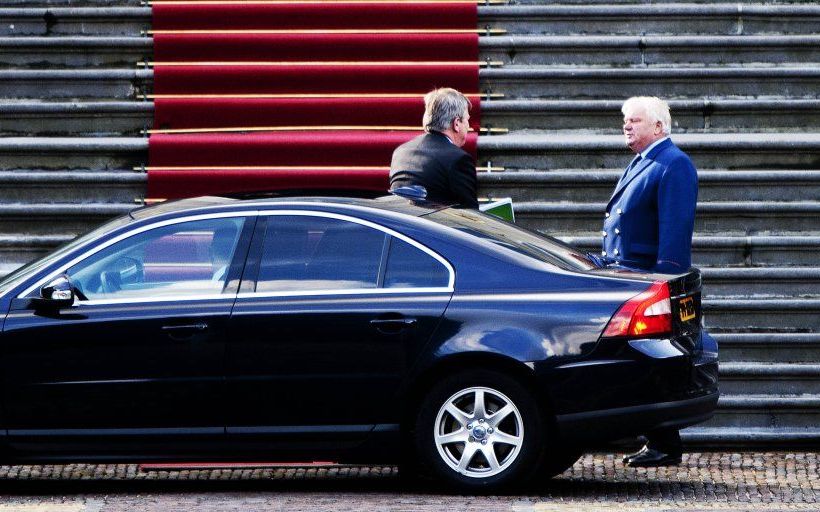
{"points": [[444, 169], [650, 218]]}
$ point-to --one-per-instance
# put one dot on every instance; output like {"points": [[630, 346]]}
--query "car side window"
{"points": [[188, 258], [410, 267], [319, 253]]}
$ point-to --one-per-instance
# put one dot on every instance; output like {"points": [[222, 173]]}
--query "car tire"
{"points": [[464, 447]]}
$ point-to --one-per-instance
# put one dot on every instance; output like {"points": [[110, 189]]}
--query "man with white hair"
{"points": [[435, 159], [650, 217], [649, 222]]}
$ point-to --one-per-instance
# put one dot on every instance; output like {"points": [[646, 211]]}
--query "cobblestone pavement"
{"points": [[597, 483]]}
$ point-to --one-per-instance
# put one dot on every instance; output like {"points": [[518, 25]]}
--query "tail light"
{"points": [[648, 313]]}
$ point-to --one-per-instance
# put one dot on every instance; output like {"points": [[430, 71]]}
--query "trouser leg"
{"points": [[665, 440]]}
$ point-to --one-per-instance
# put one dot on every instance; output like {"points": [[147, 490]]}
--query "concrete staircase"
{"points": [[71, 116], [743, 82], [742, 79]]}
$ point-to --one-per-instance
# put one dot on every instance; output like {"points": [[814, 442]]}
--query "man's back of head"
{"points": [[447, 111]]}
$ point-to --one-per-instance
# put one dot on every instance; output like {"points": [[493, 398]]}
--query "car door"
{"points": [[327, 328], [139, 356]]}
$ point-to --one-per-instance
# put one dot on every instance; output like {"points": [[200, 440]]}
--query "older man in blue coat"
{"points": [[649, 222]]}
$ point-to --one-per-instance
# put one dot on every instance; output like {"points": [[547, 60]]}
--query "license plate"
{"points": [[686, 309]]}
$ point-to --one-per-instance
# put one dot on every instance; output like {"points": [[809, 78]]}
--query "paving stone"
{"points": [[596, 483]]}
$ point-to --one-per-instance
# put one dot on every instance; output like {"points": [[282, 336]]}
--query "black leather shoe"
{"points": [[631, 456], [653, 458]]}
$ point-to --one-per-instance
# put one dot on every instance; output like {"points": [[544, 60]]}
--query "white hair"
{"points": [[441, 106], [655, 108]]}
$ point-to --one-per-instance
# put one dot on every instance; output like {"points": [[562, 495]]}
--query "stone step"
{"points": [[517, 150], [745, 378], [766, 411], [762, 281], [737, 249], [514, 82], [604, 115], [72, 186], [748, 151], [724, 438], [769, 347], [65, 17], [17, 249], [583, 2], [107, 51], [98, 118], [106, 84], [762, 314], [74, 51], [38, 117], [60, 153], [675, 81], [38, 219], [658, 18], [70, 20], [712, 217], [597, 185], [608, 50]]}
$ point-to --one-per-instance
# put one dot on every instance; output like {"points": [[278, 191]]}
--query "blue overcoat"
{"points": [[650, 217]]}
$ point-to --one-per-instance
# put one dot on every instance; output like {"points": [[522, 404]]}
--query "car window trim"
{"points": [[150, 300], [168, 222], [357, 291], [343, 291], [386, 245]]}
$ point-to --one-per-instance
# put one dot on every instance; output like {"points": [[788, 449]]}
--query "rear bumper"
{"points": [[657, 386], [611, 424]]}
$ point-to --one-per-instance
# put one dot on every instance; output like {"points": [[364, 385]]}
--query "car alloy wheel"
{"points": [[479, 432]]}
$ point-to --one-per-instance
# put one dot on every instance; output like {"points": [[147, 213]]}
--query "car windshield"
{"points": [[516, 238], [26, 271]]}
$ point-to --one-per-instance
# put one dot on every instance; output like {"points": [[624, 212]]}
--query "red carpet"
{"points": [[311, 59], [308, 47], [224, 112], [331, 148], [305, 79], [316, 16], [192, 182]]}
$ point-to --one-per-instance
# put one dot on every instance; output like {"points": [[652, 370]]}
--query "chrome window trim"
{"points": [[262, 295], [342, 291], [312, 213], [128, 234], [251, 213], [149, 300], [611, 296]]}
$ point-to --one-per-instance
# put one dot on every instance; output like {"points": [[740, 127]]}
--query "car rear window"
{"points": [[515, 238]]}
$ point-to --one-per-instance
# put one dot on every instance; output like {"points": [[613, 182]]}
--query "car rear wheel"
{"points": [[479, 430]]}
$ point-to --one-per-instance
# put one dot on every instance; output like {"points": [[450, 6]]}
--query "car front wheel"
{"points": [[479, 430]]}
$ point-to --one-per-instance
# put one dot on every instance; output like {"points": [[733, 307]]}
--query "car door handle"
{"points": [[179, 332], [392, 325]]}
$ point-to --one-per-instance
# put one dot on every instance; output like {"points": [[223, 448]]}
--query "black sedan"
{"points": [[353, 330]]}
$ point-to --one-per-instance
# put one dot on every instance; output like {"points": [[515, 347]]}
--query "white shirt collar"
{"points": [[649, 148]]}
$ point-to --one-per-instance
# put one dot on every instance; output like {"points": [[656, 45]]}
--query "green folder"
{"points": [[502, 208]]}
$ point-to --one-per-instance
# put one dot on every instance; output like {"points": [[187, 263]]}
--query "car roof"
{"points": [[389, 203]]}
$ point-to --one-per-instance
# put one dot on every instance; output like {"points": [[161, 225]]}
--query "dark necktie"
{"points": [[629, 169]]}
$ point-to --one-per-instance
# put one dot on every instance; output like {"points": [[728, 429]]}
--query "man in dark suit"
{"points": [[649, 222], [435, 159]]}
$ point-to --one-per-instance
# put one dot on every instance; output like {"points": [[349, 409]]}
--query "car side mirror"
{"points": [[59, 293]]}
